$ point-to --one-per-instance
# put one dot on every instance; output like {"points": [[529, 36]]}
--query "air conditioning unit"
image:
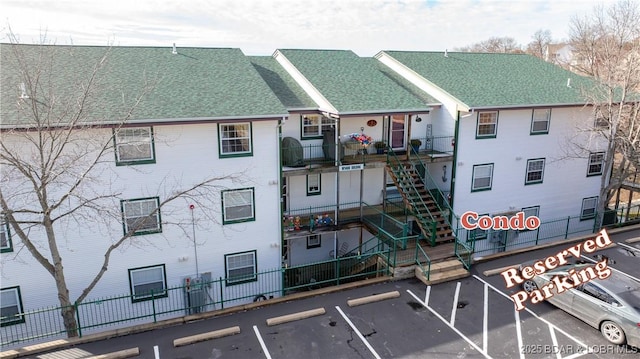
{"points": [[196, 293]]}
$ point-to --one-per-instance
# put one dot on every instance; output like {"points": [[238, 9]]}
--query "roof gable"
{"points": [[496, 80], [354, 84], [192, 84]]}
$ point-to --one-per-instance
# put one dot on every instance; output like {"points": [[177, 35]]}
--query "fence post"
{"points": [[77, 307], [221, 295], [537, 235], [338, 271], [153, 305], [566, 230]]}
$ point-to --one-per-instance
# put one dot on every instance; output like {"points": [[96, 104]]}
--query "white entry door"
{"points": [[398, 132]]}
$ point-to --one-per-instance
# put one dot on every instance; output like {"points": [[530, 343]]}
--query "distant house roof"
{"points": [[494, 80], [282, 84], [192, 85], [354, 84]]}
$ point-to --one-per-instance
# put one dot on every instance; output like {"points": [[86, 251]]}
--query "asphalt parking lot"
{"points": [[468, 318]]}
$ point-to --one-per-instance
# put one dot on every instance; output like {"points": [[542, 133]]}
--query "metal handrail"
{"points": [[391, 153], [445, 201], [426, 271]]}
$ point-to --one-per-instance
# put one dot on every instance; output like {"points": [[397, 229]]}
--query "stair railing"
{"points": [[421, 256], [462, 250], [442, 202], [417, 204]]}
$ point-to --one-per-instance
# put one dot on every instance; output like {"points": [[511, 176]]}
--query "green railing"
{"points": [[124, 310], [127, 309], [411, 194], [309, 214], [319, 153], [388, 226], [371, 245], [441, 201], [423, 261], [622, 216], [348, 268], [434, 145], [489, 242]]}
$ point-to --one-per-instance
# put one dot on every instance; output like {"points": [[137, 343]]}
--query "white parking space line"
{"points": [[587, 350], [364, 340], [628, 247], [617, 270], [485, 320], [156, 352], [519, 333], [449, 325], [262, 344], [455, 304], [554, 340]]}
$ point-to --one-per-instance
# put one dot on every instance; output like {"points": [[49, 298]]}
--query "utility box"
{"points": [[196, 293]]}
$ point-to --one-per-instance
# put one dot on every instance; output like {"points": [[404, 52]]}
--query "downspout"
{"points": [[282, 239], [454, 165], [337, 163]]}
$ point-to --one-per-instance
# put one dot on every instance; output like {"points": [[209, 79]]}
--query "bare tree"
{"points": [[56, 160], [540, 44], [606, 45], [494, 45]]}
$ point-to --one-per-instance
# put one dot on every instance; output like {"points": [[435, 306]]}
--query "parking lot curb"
{"points": [[372, 298], [295, 316], [121, 354], [63, 343], [206, 336], [633, 240], [491, 272]]}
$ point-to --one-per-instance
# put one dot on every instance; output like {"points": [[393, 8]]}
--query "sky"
{"points": [[259, 27]]}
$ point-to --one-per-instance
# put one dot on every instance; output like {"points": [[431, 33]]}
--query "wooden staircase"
{"points": [[420, 202], [432, 223]]}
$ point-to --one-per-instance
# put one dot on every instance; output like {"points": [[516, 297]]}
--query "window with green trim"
{"points": [[313, 126], [241, 267], [478, 234], [482, 177], [531, 211], [134, 145], [235, 139], [596, 162], [313, 184], [5, 236], [313, 241], [487, 126], [11, 309], [238, 205], [588, 210], [141, 216], [535, 171], [148, 282], [540, 121]]}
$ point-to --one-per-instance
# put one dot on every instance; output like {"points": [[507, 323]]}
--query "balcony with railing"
{"points": [[298, 158]]}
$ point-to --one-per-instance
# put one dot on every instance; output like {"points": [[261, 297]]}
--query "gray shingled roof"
{"points": [[355, 84], [281, 83], [195, 83], [496, 80]]}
